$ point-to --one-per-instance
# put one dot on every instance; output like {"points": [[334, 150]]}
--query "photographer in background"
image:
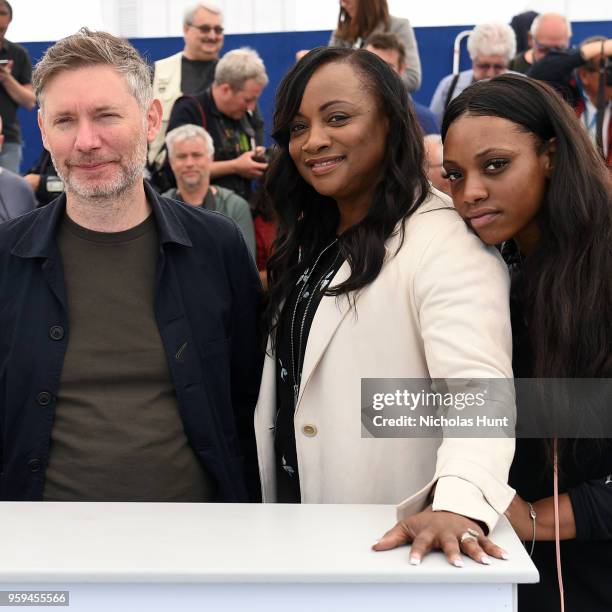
{"points": [[16, 198], [15, 90], [557, 68], [190, 70], [595, 107], [226, 111], [547, 31]]}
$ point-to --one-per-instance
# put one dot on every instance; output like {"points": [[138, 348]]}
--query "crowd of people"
{"points": [[188, 315]]}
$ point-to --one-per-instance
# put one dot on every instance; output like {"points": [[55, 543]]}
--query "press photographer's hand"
{"points": [[247, 167]]}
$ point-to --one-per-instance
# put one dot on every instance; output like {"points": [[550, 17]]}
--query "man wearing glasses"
{"points": [[560, 67], [490, 47], [548, 31], [192, 69]]}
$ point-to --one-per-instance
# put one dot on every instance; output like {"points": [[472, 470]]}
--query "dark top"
{"points": [[519, 64], [197, 75], [22, 71], [117, 433], [585, 475], [291, 339], [231, 137], [207, 294], [556, 68], [521, 24]]}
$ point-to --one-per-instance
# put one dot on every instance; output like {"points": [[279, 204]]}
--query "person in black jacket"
{"points": [[226, 111], [129, 356], [557, 67], [523, 172]]}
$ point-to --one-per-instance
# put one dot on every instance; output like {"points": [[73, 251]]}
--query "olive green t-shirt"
{"points": [[117, 434]]}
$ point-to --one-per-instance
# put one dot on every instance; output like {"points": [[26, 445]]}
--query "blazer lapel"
{"points": [[329, 315]]}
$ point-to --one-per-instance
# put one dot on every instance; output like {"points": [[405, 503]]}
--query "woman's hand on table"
{"points": [[439, 530]]}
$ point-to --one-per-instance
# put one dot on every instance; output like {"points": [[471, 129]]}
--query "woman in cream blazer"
{"points": [[437, 308]]}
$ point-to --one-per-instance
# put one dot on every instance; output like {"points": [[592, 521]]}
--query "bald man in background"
{"points": [[548, 31]]}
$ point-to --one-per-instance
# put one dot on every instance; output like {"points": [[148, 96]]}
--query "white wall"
{"points": [[40, 21], [478, 11]]}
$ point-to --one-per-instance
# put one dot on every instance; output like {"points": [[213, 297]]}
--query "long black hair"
{"points": [[568, 278], [307, 220]]}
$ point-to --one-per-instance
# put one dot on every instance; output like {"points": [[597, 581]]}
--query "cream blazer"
{"points": [[439, 308]]}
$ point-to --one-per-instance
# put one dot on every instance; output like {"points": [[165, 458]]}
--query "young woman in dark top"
{"points": [[524, 173], [366, 262]]}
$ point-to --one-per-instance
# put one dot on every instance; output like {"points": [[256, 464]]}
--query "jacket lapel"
{"points": [[330, 313]]}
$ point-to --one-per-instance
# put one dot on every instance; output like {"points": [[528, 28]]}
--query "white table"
{"points": [[220, 557]]}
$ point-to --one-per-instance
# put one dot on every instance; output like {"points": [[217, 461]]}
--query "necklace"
{"points": [[296, 368]]}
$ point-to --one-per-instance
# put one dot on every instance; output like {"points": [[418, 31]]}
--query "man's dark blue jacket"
{"points": [[206, 307]]}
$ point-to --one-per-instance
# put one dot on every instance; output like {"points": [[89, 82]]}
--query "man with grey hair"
{"points": [[191, 70], [548, 31], [190, 152], [225, 111], [129, 358], [491, 46]]}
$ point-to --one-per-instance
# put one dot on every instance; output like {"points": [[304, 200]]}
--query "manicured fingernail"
{"points": [[376, 544], [458, 563], [415, 561], [505, 556], [484, 559]]}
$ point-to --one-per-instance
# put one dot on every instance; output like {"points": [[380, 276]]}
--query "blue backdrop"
{"points": [[278, 52]]}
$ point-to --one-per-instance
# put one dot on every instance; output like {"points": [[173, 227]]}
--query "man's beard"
{"points": [[192, 183], [128, 173]]}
